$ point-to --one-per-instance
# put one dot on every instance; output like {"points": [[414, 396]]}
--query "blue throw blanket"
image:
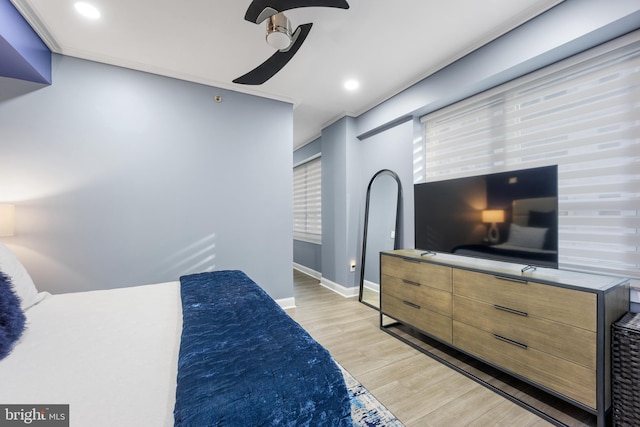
{"points": [[244, 362]]}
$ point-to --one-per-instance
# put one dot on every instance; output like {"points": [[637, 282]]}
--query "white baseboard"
{"points": [[371, 285], [339, 289], [287, 302], [306, 270]]}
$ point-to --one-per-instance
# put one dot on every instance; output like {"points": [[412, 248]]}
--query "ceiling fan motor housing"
{"points": [[279, 31]]}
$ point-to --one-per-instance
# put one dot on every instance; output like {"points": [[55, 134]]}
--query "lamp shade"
{"points": [[7, 219], [493, 216]]}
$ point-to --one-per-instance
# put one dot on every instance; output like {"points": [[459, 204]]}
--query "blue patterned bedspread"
{"points": [[244, 362]]}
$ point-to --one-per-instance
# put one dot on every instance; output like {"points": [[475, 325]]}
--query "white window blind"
{"points": [[307, 201], [582, 114]]}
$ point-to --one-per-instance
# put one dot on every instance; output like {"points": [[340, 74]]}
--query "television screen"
{"points": [[506, 216]]}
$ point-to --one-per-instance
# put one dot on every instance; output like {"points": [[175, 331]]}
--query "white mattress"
{"points": [[111, 355]]}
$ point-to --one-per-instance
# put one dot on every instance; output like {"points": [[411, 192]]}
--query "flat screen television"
{"points": [[506, 216]]}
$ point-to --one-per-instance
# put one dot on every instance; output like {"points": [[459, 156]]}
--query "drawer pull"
{"points": [[512, 342], [511, 279], [410, 304], [510, 310], [409, 282], [415, 261]]}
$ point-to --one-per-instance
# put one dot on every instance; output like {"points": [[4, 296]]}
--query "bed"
{"points": [[211, 349], [530, 236]]}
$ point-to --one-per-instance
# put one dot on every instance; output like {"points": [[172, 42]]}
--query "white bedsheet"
{"points": [[111, 355]]}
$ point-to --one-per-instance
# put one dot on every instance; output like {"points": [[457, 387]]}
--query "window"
{"points": [[307, 201], [581, 114]]}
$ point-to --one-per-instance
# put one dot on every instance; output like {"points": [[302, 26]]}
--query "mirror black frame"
{"points": [[396, 243]]}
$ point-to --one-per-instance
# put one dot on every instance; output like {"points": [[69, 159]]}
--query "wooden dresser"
{"points": [[550, 328]]}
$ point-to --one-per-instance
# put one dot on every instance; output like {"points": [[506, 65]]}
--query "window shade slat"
{"points": [[307, 201]]}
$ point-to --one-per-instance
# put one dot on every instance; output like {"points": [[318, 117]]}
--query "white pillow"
{"points": [[528, 237], [22, 283]]}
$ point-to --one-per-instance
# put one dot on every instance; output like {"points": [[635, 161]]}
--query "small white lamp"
{"points": [[493, 217], [7, 219]]}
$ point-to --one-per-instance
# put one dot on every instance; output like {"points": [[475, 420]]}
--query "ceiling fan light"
{"points": [[351, 85], [87, 10], [278, 40], [279, 31]]}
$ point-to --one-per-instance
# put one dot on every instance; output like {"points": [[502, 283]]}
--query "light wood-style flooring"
{"points": [[417, 389]]}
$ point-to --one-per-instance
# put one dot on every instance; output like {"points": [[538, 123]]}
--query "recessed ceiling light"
{"points": [[351, 85], [87, 10]]}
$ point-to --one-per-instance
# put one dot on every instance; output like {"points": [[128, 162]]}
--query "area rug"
{"points": [[366, 410]]}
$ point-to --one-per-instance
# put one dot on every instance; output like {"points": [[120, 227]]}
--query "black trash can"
{"points": [[625, 370]]}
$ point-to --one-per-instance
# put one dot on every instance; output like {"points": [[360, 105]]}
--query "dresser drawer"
{"points": [[558, 339], [563, 305], [570, 379], [425, 296], [435, 276], [418, 317]]}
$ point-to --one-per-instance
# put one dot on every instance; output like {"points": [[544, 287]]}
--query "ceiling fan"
{"points": [[279, 34]]}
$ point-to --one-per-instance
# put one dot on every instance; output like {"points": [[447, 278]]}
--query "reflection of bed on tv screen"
{"points": [[506, 216]]}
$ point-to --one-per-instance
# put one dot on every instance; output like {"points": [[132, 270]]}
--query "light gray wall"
{"points": [[307, 152], [341, 208], [123, 178], [308, 255], [391, 149]]}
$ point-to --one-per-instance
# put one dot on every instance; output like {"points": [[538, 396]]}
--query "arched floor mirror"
{"points": [[381, 231]]}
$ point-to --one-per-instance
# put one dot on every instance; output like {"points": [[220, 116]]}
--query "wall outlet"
{"points": [[352, 267]]}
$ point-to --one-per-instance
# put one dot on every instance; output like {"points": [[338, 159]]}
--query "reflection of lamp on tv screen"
{"points": [[493, 217], [510, 216]]}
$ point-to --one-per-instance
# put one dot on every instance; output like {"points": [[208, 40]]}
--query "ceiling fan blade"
{"points": [[277, 61], [259, 10]]}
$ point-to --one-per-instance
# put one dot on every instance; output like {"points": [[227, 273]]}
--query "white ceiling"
{"points": [[387, 45]]}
